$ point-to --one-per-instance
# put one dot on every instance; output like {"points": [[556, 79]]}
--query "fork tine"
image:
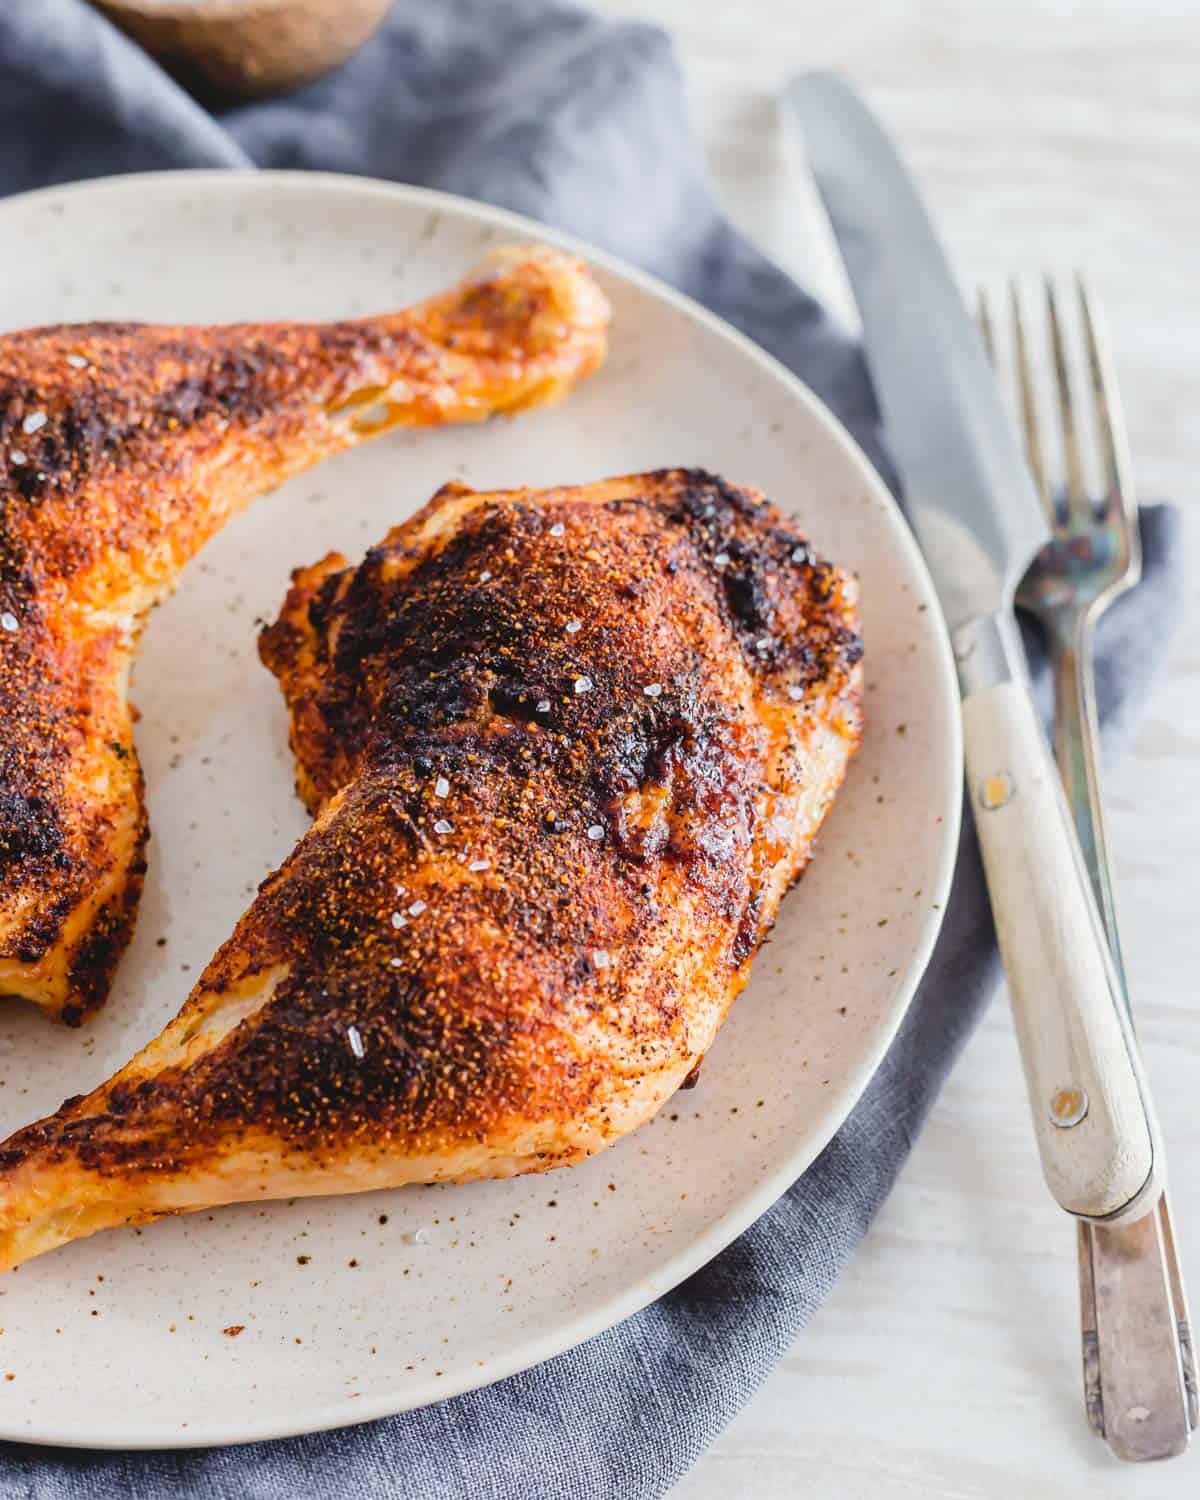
{"points": [[1029, 412], [1119, 501], [1077, 499], [983, 316]]}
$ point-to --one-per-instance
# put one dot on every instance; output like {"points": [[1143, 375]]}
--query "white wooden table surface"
{"points": [[1047, 133]]}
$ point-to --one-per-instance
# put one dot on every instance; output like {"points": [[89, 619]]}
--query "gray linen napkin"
{"points": [[581, 122]]}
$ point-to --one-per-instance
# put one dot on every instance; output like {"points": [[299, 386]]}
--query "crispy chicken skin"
{"points": [[123, 448], [566, 750]]}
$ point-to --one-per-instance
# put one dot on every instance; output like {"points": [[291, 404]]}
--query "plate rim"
{"points": [[569, 1334]]}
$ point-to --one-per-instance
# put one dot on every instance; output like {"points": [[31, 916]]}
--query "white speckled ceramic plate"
{"points": [[346, 1313]]}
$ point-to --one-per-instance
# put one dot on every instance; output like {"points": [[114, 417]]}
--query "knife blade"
{"points": [[979, 521], [969, 495]]}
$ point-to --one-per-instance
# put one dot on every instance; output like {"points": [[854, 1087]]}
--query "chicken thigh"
{"points": [[566, 751]]}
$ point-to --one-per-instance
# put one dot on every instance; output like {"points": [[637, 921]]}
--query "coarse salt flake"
{"points": [[396, 963], [653, 690], [583, 684], [485, 575], [764, 645], [795, 692], [399, 920], [415, 1237], [601, 959], [441, 787], [543, 705], [354, 1037], [574, 627], [10, 622], [596, 832], [477, 865], [722, 559], [417, 908], [558, 529], [443, 825], [34, 422], [17, 456], [77, 361]]}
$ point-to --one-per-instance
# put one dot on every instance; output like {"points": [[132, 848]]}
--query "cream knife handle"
{"points": [[1091, 1119]]}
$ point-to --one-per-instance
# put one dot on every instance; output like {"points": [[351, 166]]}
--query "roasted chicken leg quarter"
{"points": [[123, 448], [566, 750]]}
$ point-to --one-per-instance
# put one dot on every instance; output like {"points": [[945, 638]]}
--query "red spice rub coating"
{"points": [[123, 448], [567, 749]]}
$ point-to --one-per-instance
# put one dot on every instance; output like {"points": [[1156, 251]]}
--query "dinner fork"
{"points": [[1138, 1363]]}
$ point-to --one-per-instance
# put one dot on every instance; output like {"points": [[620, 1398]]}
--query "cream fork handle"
{"points": [[1094, 1132], [1139, 1368]]}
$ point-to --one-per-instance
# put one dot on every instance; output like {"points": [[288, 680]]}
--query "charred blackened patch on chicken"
{"points": [[527, 702], [95, 961], [749, 931], [29, 826]]}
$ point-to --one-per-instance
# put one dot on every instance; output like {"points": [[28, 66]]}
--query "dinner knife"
{"points": [[979, 521]]}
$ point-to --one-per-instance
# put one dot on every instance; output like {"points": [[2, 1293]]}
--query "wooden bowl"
{"points": [[247, 48]]}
